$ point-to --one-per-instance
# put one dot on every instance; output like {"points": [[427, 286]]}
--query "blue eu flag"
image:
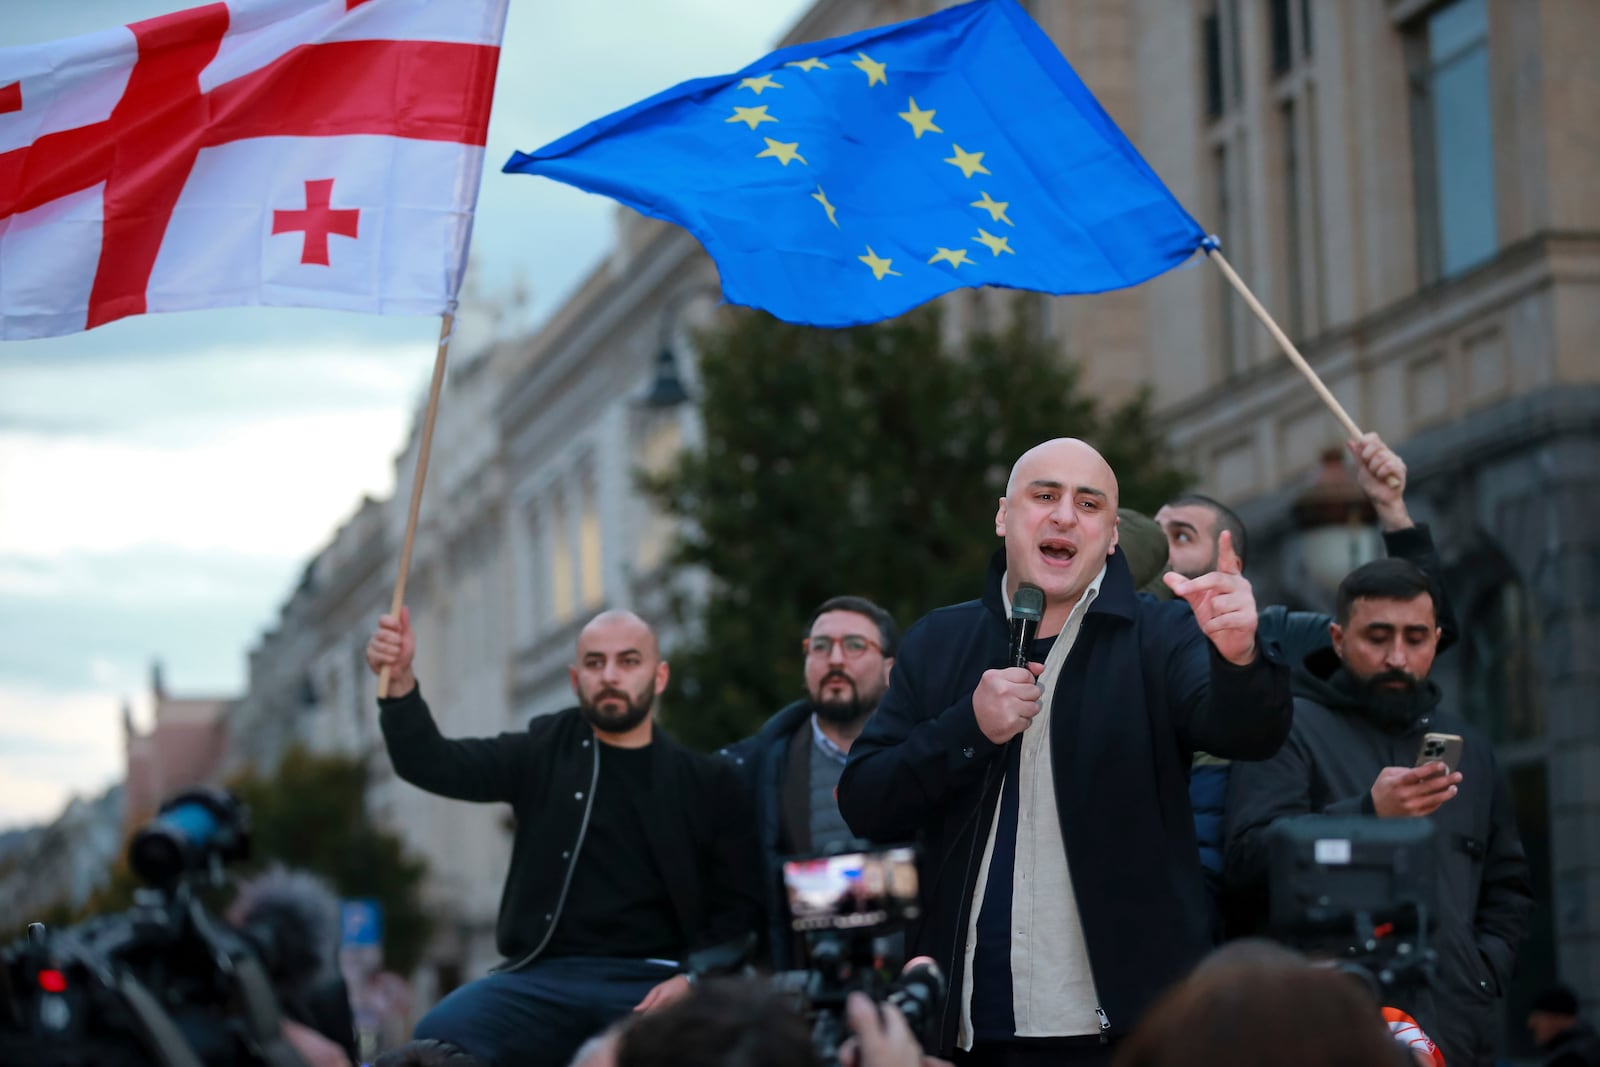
{"points": [[851, 180]]}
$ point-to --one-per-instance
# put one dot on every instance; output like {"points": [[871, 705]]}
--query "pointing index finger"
{"points": [[1228, 561]]}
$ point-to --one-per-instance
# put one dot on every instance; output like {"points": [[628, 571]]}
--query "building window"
{"points": [[1224, 93], [1452, 139], [590, 550], [1499, 668], [658, 449], [1294, 85], [563, 595]]}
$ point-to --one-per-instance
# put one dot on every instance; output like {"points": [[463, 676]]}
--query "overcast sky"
{"points": [[164, 478]]}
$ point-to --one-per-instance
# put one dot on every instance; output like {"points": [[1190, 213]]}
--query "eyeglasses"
{"points": [[854, 645]]}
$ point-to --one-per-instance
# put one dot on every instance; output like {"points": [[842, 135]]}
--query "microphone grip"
{"points": [[1022, 631]]}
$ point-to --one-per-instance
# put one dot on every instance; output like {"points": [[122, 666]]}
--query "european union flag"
{"points": [[851, 180]]}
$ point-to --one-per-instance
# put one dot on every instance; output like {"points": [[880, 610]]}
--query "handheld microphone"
{"points": [[1027, 611]]}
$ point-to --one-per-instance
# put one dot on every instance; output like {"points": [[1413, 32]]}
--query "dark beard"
{"points": [[613, 722], [840, 714], [1393, 709]]}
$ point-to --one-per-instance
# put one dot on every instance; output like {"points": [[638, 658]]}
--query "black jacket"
{"points": [[1327, 766], [762, 760], [1141, 690], [697, 819]]}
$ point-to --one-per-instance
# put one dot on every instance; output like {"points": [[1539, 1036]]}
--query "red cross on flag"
{"points": [[311, 153]]}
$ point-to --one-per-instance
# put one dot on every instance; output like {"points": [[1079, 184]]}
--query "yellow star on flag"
{"points": [[808, 64], [756, 85], [953, 256], [921, 121], [970, 162], [879, 266], [782, 152], [994, 244], [872, 68], [822, 198], [751, 116], [995, 208]]}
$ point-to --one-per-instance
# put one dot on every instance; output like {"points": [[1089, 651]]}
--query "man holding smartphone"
{"points": [[1368, 738]]}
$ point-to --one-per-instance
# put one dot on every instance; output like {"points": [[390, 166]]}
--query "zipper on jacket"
{"points": [[1105, 1020], [561, 901]]}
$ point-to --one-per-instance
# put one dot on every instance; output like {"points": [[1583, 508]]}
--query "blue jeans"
{"points": [[538, 1016]]}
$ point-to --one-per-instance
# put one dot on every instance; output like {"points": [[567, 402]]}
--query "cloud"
{"points": [[88, 621], [54, 745]]}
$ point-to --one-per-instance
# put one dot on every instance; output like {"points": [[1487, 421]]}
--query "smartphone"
{"points": [[1440, 748]]}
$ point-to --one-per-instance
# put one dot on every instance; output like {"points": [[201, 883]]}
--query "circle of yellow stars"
{"points": [[921, 121]]}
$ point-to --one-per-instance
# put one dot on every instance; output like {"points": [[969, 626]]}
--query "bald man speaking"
{"points": [[629, 850], [1062, 886]]}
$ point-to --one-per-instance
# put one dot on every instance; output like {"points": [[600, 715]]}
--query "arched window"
{"points": [[1499, 641]]}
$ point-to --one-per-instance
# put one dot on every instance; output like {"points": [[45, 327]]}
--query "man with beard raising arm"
{"points": [[791, 766], [1360, 714], [630, 851]]}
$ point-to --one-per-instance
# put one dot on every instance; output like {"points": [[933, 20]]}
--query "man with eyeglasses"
{"points": [[792, 764]]}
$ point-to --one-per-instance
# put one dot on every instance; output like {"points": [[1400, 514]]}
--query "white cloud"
{"points": [[274, 487], [55, 745]]}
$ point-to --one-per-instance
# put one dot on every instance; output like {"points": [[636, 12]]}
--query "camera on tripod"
{"points": [[1359, 893], [850, 908], [164, 983]]}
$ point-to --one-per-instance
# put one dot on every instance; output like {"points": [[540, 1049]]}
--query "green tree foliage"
{"points": [[866, 461], [311, 815]]}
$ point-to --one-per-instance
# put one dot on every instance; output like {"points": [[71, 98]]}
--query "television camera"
{"points": [[165, 983]]}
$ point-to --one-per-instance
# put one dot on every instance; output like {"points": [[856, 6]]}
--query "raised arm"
{"points": [[479, 769]]}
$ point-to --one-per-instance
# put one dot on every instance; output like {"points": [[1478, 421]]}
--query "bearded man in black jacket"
{"points": [[1061, 883], [630, 850], [1360, 715]]}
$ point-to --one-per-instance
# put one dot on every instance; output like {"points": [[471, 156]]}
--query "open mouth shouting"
{"points": [[1058, 551]]}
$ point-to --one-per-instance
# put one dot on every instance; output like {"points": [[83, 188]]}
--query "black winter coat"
{"points": [[697, 818], [1141, 690], [762, 759], [1327, 766]]}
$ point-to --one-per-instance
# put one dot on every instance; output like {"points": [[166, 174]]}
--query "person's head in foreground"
{"points": [[1260, 1005]]}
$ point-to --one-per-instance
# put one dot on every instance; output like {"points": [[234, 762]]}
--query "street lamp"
{"points": [[666, 387], [667, 390], [1335, 520]]}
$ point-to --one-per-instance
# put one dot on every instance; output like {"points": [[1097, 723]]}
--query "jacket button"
{"points": [[969, 752], [566, 854], [577, 796], [547, 918], [586, 743]]}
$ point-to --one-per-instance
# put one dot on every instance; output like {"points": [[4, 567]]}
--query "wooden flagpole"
{"points": [[446, 327], [1283, 342]]}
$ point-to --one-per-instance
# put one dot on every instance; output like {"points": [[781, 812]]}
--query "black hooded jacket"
{"points": [[1336, 749]]}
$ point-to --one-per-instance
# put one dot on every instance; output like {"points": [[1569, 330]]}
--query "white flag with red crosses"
{"points": [[311, 153]]}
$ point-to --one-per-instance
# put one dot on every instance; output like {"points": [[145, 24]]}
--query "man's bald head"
{"points": [[1070, 452], [619, 623]]}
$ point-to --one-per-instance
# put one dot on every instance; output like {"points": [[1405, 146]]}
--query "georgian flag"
{"points": [[314, 153]]}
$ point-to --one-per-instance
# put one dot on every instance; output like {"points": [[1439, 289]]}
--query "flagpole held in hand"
{"points": [[1287, 345], [446, 326]]}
